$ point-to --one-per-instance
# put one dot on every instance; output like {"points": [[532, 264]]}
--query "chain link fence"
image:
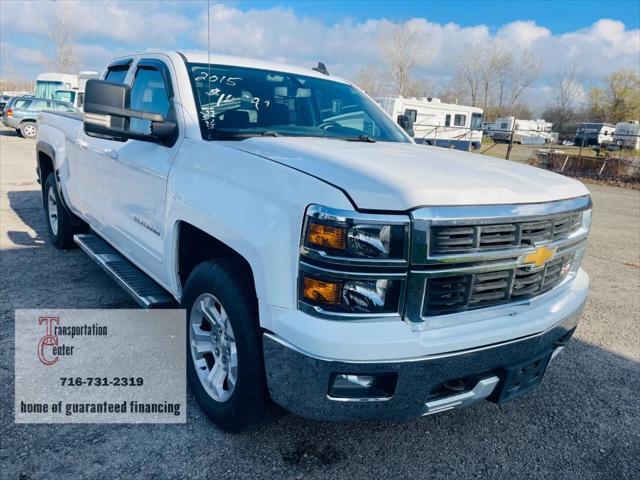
{"points": [[595, 155]]}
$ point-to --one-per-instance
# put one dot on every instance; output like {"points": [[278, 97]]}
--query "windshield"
{"points": [[240, 102], [46, 88]]}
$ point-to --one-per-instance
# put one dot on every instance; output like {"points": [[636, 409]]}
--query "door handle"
{"points": [[109, 153], [80, 143]]}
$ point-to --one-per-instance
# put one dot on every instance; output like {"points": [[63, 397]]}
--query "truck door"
{"points": [[135, 174], [88, 159]]}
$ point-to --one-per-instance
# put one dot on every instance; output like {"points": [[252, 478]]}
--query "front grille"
{"points": [[454, 293], [470, 238]]}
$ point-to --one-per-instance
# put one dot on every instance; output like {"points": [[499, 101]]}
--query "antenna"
{"points": [[208, 54]]}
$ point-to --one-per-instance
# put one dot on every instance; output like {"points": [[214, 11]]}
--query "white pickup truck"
{"points": [[325, 261]]}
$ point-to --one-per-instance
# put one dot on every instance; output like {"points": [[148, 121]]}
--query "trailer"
{"points": [[528, 132], [627, 135], [64, 87], [437, 123]]}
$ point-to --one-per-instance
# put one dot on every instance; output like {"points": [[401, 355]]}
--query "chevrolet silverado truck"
{"points": [[325, 261]]}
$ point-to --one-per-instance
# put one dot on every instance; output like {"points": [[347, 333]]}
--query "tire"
{"points": [[18, 132], [29, 129], [241, 400], [59, 221]]}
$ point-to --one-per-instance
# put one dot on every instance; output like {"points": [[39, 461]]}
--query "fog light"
{"points": [[363, 388], [350, 381]]}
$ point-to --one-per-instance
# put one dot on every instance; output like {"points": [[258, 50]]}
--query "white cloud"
{"points": [[107, 28], [154, 23]]}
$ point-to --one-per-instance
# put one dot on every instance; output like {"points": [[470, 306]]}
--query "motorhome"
{"points": [[627, 135], [594, 134], [524, 131], [64, 87], [437, 123]]}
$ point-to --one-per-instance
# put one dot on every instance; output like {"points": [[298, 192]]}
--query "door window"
{"points": [[148, 94], [447, 121], [39, 105]]}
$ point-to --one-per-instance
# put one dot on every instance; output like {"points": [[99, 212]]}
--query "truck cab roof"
{"points": [[230, 60]]}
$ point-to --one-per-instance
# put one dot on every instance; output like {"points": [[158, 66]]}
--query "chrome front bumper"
{"points": [[300, 383]]}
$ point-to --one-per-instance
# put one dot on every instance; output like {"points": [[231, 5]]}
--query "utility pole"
{"points": [[508, 157]]}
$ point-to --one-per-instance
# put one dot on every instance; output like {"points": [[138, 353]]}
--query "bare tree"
{"points": [[566, 92], [370, 79], [470, 79], [494, 79], [63, 34], [403, 49]]}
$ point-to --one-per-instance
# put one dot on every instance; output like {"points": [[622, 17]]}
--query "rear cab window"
{"points": [[117, 72]]}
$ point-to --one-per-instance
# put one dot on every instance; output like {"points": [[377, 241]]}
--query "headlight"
{"points": [[354, 296], [349, 235], [352, 265]]}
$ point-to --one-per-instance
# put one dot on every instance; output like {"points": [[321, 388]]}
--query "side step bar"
{"points": [[134, 281]]}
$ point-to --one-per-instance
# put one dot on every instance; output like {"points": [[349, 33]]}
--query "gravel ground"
{"points": [[583, 422]]}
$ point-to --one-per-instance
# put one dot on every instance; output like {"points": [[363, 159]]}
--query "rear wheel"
{"points": [[29, 129], [225, 368]]}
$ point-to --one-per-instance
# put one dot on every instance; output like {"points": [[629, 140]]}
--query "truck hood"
{"points": [[398, 176]]}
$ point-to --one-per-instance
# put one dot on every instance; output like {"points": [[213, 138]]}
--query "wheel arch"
{"points": [[45, 157], [194, 246]]}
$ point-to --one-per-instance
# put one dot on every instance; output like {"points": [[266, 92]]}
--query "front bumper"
{"points": [[300, 383]]}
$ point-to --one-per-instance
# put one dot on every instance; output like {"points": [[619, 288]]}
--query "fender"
{"points": [[47, 149]]}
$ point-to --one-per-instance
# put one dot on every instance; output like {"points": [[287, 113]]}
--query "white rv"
{"points": [[436, 123], [65, 87], [531, 132], [627, 135]]}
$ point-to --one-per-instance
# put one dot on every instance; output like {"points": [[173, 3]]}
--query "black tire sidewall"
{"points": [[224, 279], [64, 238]]}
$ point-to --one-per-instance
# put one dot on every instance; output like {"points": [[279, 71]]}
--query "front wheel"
{"points": [[225, 369]]}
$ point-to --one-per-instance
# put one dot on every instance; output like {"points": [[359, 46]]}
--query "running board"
{"points": [[134, 281]]}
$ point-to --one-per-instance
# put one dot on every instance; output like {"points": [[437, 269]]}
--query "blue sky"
{"points": [[558, 16], [597, 37]]}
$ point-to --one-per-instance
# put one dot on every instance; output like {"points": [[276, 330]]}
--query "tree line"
{"points": [[495, 78]]}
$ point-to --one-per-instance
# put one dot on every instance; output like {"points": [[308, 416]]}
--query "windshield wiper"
{"points": [[223, 134], [359, 138]]}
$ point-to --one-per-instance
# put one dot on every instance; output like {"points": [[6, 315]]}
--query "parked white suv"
{"points": [[325, 260]]}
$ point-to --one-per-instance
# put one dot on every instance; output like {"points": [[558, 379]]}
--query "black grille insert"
{"points": [[455, 293], [471, 238]]}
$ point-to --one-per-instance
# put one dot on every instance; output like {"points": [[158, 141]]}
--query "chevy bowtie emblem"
{"points": [[540, 256]]}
